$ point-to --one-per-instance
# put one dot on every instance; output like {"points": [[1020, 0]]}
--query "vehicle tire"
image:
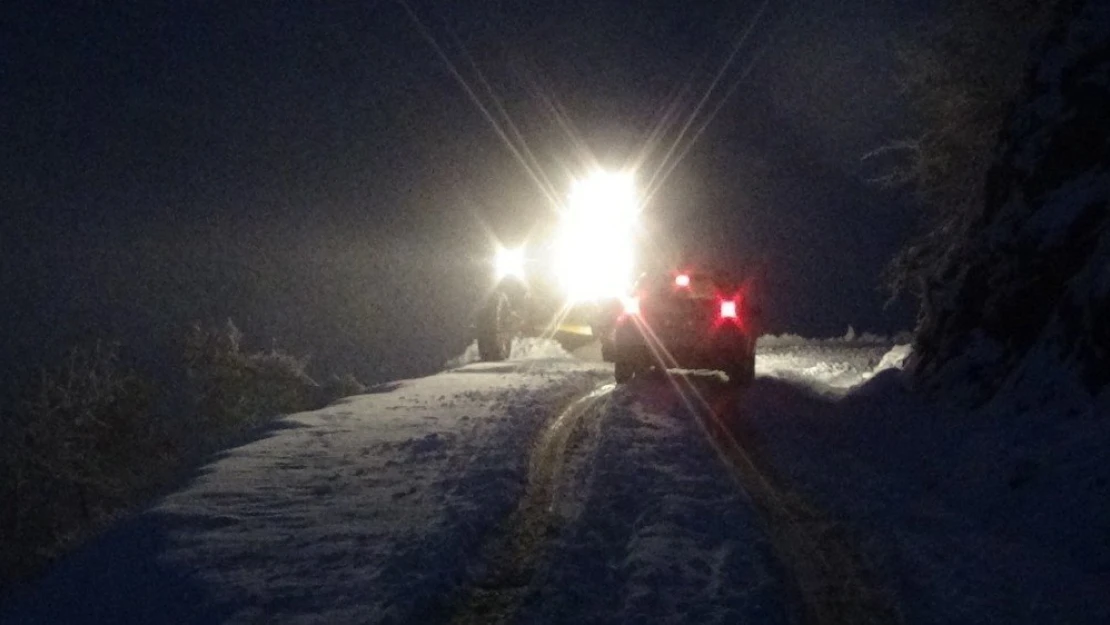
{"points": [[623, 371], [606, 350], [498, 324], [741, 373]]}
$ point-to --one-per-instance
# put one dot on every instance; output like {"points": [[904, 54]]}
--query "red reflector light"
{"points": [[728, 309], [682, 280], [631, 305]]}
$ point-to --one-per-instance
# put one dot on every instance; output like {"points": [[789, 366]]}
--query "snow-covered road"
{"points": [[370, 510], [536, 491], [382, 508], [661, 533]]}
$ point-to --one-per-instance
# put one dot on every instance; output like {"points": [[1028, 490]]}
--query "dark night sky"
{"points": [[314, 171]]}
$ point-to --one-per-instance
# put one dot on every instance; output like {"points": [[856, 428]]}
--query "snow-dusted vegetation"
{"points": [[1014, 165], [94, 436]]}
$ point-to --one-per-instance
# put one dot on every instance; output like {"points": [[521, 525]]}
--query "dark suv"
{"points": [[690, 320]]}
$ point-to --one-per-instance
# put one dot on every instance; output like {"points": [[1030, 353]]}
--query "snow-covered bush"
{"points": [[231, 386], [339, 386], [1011, 165], [961, 71], [1023, 298], [82, 444], [73, 450]]}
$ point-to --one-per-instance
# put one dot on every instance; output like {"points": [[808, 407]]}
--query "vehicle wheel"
{"points": [[498, 324], [741, 373], [623, 371], [606, 348]]}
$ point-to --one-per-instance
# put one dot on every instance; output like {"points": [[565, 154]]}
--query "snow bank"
{"points": [[828, 366], [524, 348], [993, 515], [893, 359], [787, 339]]}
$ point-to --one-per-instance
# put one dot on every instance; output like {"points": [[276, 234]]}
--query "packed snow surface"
{"points": [[660, 533], [377, 509]]}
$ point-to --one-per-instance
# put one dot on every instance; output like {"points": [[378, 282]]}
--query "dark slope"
{"points": [[1028, 289]]}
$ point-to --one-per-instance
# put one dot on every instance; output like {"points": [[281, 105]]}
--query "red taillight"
{"points": [[728, 309], [631, 305], [682, 280]]}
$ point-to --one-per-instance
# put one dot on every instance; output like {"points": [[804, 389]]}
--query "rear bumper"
{"points": [[719, 347]]}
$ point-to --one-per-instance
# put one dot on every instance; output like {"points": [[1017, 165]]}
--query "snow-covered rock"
{"points": [[1027, 292], [895, 358]]}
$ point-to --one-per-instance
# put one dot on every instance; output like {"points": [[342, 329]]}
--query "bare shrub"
{"points": [[961, 75], [231, 386]]}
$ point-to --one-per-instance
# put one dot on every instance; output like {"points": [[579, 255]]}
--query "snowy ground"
{"points": [[661, 533], [831, 366], [382, 507], [999, 514], [366, 511]]}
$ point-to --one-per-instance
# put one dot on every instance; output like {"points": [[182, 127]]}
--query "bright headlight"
{"points": [[509, 262], [595, 244]]}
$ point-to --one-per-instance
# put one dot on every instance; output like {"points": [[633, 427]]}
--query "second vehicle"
{"points": [[685, 319]]}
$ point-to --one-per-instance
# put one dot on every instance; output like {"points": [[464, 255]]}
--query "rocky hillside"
{"points": [[1029, 287]]}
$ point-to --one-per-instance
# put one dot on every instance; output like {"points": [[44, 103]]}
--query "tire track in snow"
{"points": [[662, 536], [513, 556], [830, 577]]}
